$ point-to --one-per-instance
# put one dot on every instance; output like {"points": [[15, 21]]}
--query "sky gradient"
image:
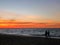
{"points": [[29, 13], [30, 10]]}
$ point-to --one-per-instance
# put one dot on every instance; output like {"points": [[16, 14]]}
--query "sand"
{"points": [[25, 40]]}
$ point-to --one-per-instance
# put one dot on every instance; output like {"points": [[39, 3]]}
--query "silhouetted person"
{"points": [[47, 33]]}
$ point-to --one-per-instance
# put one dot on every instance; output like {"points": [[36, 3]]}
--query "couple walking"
{"points": [[47, 33]]}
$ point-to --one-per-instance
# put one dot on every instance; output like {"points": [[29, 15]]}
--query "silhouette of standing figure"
{"points": [[46, 33]]}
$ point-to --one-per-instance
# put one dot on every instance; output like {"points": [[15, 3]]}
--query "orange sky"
{"points": [[17, 24], [30, 14]]}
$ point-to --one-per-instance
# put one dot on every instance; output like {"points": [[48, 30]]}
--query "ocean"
{"points": [[30, 31]]}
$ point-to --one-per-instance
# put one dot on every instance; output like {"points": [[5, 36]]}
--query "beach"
{"points": [[27, 40]]}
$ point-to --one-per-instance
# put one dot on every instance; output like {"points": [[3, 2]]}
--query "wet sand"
{"points": [[25, 40]]}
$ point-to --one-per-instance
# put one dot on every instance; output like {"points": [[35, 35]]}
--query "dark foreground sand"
{"points": [[23, 40]]}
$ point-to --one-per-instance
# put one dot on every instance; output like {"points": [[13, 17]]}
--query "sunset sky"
{"points": [[41, 11]]}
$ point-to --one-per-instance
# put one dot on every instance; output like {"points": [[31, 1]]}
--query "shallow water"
{"points": [[39, 31]]}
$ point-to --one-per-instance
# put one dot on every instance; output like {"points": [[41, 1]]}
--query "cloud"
{"points": [[56, 14], [10, 16], [32, 17], [14, 16]]}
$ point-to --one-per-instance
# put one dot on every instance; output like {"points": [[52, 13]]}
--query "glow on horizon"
{"points": [[6, 17]]}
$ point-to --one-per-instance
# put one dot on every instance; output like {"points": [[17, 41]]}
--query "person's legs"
{"points": [[45, 33]]}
